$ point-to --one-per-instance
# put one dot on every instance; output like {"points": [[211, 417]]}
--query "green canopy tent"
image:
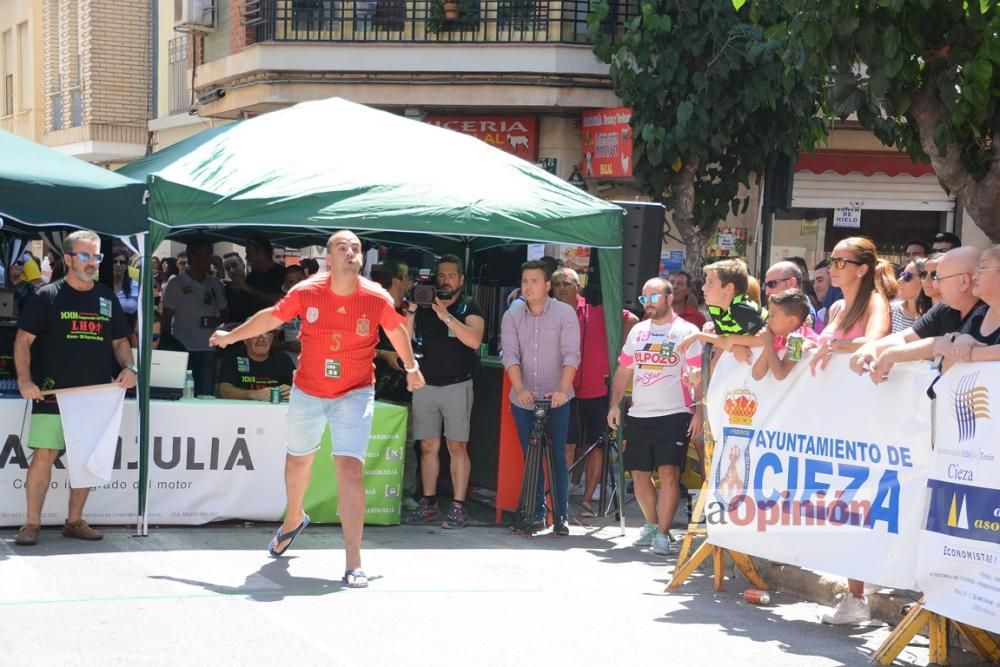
{"points": [[298, 173], [44, 190]]}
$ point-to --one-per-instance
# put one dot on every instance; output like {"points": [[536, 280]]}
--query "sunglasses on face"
{"points": [[119, 262], [906, 276], [652, 298], [771, 284], [840, 262], [88, 257]]}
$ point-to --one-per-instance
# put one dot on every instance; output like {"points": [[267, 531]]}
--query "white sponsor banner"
{"points": [[209, 460], [825, 472], [959, 564]]}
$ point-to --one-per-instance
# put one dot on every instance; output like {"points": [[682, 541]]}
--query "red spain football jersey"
{"points": [[339, 333]]}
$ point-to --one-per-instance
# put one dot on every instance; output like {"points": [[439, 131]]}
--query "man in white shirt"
{"points": [[660, 422], [194, 305]]}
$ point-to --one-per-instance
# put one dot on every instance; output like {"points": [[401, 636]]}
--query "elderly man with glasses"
{"points": [[954, 280]]}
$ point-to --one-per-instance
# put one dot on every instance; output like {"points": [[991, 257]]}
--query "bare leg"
{"points": [[645, 493], [594, 468], [297, 469], [350, 474], [461, 468], [37, 483], [77, 499], [670, 495], [430, 464]]}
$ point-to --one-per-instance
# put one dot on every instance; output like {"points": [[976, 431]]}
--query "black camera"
{"points": [[542, 406], [423, 295]]}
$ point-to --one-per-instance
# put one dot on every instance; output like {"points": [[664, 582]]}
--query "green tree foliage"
{"points": [[711, 101], [923, 75]]}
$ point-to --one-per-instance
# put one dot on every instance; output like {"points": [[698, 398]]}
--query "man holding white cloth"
{"points": [[70, 334]]}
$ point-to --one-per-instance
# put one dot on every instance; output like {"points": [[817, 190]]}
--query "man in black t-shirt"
{"points": [[450, 332], [263, 284], [71, 334], [953, 277], [249, 371]]}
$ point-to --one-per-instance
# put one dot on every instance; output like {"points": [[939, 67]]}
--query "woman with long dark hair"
{"points": [[862, 315], [126, 289], [912, 302]]}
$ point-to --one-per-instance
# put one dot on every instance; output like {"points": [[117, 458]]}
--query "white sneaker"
{"points": [[645, 538], [849, 611], [661, 544]]}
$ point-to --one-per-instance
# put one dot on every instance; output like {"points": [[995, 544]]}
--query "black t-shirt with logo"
{"points": [[447, 360], [239, 370], [74, 332]]}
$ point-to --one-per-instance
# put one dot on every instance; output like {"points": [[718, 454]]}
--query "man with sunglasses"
{"points": [[786, 275], [71, 334], [953, 278], [660, 420]]}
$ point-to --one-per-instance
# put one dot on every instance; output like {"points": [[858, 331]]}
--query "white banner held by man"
{"points": [[825, 472], [960, 545]]}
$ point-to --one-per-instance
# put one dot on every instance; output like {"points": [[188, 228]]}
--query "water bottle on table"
{"points": [[189, 385]]}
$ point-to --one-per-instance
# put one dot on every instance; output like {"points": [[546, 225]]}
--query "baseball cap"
{"points": [[31, 271]]}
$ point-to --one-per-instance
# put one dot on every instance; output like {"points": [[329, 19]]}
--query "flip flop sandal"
{"points": [[280, 537], [586, 510], [355, 579]]}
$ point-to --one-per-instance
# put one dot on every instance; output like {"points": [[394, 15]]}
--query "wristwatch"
{"points": [[131, 367], [414, 368], [448, 319]]}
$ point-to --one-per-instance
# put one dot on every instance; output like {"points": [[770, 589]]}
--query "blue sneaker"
{"points": [[645, 538], [455, 517], [661, 544]]}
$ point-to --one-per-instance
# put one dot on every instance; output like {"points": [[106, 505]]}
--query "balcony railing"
{"points": [[178, 88], [435, 21]]}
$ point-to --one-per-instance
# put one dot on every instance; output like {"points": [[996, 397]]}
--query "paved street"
{"points": [[477, 596]]}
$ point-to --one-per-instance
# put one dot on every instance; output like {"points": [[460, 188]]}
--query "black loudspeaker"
{"points": [[778, 182], [642, 238]]}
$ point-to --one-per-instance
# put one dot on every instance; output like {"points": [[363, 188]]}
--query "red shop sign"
{"points": [[517, 135], [607, 143]]}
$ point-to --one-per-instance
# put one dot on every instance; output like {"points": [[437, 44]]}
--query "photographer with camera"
{"points": [[451, 330], [541, 352]]}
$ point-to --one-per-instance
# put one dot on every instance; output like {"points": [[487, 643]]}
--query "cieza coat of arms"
{"points": [[732, 473]]}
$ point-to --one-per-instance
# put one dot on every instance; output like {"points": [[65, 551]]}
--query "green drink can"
{"points": [[793, 350], [484, 350], [275, 395]]}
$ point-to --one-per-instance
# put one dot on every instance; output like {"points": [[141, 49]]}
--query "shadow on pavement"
{"points": [[271, 583]]}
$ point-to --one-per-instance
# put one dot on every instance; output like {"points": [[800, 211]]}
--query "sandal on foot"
{"points": [[280, 537], [355, 579], [586, 510]]}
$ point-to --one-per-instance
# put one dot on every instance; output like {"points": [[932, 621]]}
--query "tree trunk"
{"points": [[682, 187], [980, 198]]}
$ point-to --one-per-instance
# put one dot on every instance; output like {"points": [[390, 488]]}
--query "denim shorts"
{"points": [[349, 417]]}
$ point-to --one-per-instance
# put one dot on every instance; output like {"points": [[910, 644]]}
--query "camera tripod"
{"points": [[608, 498], [538, 465]]}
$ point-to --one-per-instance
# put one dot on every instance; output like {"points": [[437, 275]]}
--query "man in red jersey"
{"points": [[341, 312]]}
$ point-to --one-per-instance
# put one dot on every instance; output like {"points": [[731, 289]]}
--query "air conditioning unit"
{"points": [[194, 15]]}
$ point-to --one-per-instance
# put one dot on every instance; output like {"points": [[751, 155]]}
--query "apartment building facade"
{"points": [[77, 75]]}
